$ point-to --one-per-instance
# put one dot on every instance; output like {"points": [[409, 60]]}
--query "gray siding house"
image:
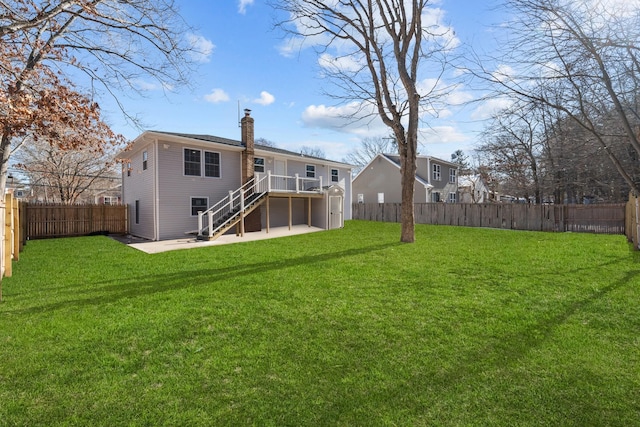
{"points": [[379, 181], [177, 184]]}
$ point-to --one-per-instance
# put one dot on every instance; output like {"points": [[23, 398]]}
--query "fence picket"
{"points": [[603, 219]]}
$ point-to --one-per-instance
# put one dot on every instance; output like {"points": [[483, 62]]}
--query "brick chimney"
{"points": [[246, 126], [253, 221]]}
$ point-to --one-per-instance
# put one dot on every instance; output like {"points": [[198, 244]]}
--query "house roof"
{"points": [[389, 159], [240, 145]]}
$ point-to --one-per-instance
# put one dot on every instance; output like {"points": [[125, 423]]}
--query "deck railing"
{"points": [[227, 210], [289, 184]]}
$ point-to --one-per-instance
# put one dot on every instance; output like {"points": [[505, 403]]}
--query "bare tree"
{"points": [[369, 148], [66, 176], [513, 144], [306, 150], [581, 58], [382, 50], [112, 43]]}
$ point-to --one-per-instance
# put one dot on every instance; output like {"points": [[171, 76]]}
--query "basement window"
{"points": [[199, 204]]}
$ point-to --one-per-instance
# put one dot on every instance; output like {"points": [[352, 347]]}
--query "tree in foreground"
{"points": [[50, 49], [378, 54]]}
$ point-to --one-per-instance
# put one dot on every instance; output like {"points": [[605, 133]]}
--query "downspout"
{"points": [[429, 180], [156, 193]]}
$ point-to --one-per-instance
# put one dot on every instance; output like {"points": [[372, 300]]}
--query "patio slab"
{"points": [[152, 247]]}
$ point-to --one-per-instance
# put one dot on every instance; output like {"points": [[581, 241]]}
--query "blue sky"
{"points": [[244, 63]]}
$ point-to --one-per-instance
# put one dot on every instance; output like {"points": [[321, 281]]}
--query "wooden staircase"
{"points": [[229, 211]]}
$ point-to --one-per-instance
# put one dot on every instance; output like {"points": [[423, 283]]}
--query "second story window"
{"points": [[212, 164], [311, 171], [191, 162], [334, 175], [436, 172], [128, 168], [258, 164], [452, 175], [145, 158]]}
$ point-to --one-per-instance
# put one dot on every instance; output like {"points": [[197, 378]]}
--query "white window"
{"points": [[128, 168], [452, 197], [334, 175], [193, 163], [199, 204], [145, 158], [435, 197], [436, 172], [452, 175], [311, 171], [380, 197], [258, 164], [360, 198], [212, 164], [110, 200]]}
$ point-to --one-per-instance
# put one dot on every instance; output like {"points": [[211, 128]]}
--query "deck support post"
{"points": [[268, 218], [309, 211], [290, 219]]}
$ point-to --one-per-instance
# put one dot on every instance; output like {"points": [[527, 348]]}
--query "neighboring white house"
{"points": [[473, 189], [379, 181], [178, 183]]}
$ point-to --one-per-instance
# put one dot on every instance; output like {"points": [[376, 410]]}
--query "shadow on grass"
{"points": [[148, 285], [508, 351]]}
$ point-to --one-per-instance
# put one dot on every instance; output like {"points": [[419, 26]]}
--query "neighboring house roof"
{"points": [[234, 143], [394, 163]]}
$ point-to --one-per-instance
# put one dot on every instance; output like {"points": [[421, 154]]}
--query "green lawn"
{"points": [[345, 327]]}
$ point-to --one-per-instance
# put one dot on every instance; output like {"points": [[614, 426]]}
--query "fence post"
{"points": [[7, 240]]}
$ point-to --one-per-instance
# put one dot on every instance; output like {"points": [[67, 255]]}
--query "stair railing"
{"points": [[227, 209]]}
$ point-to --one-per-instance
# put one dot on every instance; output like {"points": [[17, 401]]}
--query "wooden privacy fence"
{"points": [[605, 219], [55, 220]]}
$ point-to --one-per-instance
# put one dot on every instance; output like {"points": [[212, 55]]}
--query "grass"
{"points": [[345, 327]]}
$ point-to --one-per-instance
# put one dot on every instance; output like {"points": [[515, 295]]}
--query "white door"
{"points": [[280, 168], [335, 212]]}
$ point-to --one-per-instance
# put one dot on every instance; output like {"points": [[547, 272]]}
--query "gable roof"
{"points": [[389, 159], [240, 145]]}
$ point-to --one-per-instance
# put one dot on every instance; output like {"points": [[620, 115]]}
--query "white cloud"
{"points": [[147, 86], [242, 6], [442, 135], [343, 63], [354, 118], [265, 98], [503, 73], [490, 107], [201, 48], [217, 95]]}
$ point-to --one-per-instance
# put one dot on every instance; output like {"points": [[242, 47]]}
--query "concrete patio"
{"points": [[152, 247]]}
